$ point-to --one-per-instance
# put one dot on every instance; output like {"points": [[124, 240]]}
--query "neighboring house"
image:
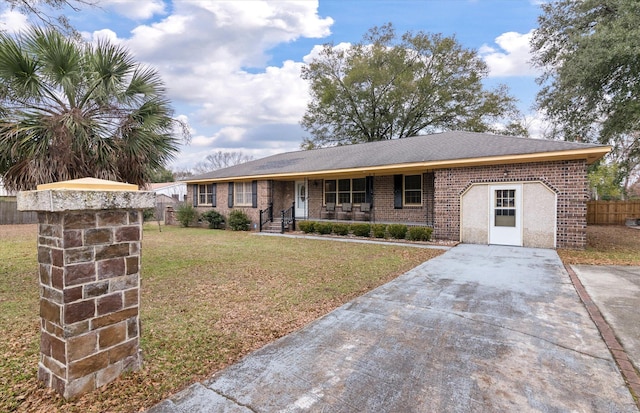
{"points": [[175, 190], [473, 187]]}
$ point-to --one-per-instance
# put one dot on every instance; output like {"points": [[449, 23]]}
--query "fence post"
{"points": [[89, 237]]}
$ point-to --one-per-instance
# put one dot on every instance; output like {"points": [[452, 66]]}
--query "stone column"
{"points": [[89, 235]]}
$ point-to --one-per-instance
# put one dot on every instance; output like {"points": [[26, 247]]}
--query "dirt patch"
{"points": [[16, 231]]}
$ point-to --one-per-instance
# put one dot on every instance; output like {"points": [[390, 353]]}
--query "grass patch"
{"points": [[208, 298], [606, 245]]}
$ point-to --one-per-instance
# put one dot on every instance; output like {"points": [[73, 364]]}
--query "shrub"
{"points": [[148, 214], [397, 231], [186, 214], [361, 230], [214, 218], [306, 226], [239, 221], [419, 234], [323, 227], [340, 229], [379, 230]]}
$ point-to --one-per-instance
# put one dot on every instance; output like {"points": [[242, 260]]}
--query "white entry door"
{"points": [[505, 223], [301, 199]]}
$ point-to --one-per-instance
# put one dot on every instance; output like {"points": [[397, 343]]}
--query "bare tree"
{"points": [[221, 160], [44, 10]]}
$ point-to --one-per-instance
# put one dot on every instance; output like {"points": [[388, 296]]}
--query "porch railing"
{"points": [[289, 217], [266, 215]]}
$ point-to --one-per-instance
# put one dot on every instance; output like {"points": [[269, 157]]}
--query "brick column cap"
{"points": [[85, 194], [91, 184]]}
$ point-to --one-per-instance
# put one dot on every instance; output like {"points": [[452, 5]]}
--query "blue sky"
{"points": [[232, 68]]}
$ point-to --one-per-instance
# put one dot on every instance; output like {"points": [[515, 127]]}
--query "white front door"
{"points": [[301, 199], [505, 210]]}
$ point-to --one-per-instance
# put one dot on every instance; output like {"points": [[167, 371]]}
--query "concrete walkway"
{"points": [[612, 297], [479, 328]]}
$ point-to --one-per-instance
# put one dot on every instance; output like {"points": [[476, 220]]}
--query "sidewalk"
{"points": [[613, 299]]}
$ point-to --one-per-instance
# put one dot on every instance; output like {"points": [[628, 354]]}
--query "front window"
{"points": [[205, 194], [330, 191], [242, 194], [413, 190], [345, 191]]}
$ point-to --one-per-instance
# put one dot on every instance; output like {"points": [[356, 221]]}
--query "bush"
{"points": [[379, 230], [361, 230], [341, 229], [148, 214], [323, 227], [419, 234], [214, 218], [306, 226], [186, 214], [239, 221], [397, 231]]}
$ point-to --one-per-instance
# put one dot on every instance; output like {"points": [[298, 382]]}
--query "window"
{"points": [[205, 194], [330, 192], [413, 190], [242, 194], [505, 208], [358, 190], [345, 191]]}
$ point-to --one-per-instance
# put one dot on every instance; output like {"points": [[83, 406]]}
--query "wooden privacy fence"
{"points": [[612, 212], [10, 215]]}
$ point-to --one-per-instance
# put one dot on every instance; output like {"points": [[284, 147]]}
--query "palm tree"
{"points": [[73, 110]]}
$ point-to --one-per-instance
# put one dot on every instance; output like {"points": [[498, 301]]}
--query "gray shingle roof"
{"points": [[440, 147]]}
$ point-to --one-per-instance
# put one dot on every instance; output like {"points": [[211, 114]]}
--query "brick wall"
{"points": [[222, 200], [441, 197], [567, 178], [384, 211]]}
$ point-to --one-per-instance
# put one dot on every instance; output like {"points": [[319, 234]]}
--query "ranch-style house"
{"points": [[470, 187]]}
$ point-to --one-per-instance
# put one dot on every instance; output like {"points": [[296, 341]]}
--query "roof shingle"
{"points": [[440, 147]]}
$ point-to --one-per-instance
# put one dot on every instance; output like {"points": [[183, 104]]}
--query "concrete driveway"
{"points": [[480, 328]]}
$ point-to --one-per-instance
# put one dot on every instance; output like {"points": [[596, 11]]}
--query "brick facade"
{"points": [[567, 178], [441, 191]]}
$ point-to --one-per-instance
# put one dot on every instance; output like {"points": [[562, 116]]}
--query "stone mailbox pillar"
{"points": [[89, 235]]}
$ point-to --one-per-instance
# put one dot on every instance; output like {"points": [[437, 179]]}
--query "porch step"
{"points": [[274, 227]]}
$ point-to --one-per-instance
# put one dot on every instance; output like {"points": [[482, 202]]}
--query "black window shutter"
{"points": [[397, 191], [254, 194], [230, 194], [195, 194], [368, 195], [214, 188]]}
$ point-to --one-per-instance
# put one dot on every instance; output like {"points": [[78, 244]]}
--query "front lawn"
{"points": [[208, 298]]}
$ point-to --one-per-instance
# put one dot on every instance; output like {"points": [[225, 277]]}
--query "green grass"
{"points": [[208, 298]]}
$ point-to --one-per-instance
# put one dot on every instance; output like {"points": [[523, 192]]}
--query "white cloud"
{"points": [[513, 56], [135, 10], [227, 135], [13, 21], [205, 52], [316, 51], [104, 34]]}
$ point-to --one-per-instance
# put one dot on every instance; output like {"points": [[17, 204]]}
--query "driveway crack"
{"points": [[234, 400], [461, 315]]}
